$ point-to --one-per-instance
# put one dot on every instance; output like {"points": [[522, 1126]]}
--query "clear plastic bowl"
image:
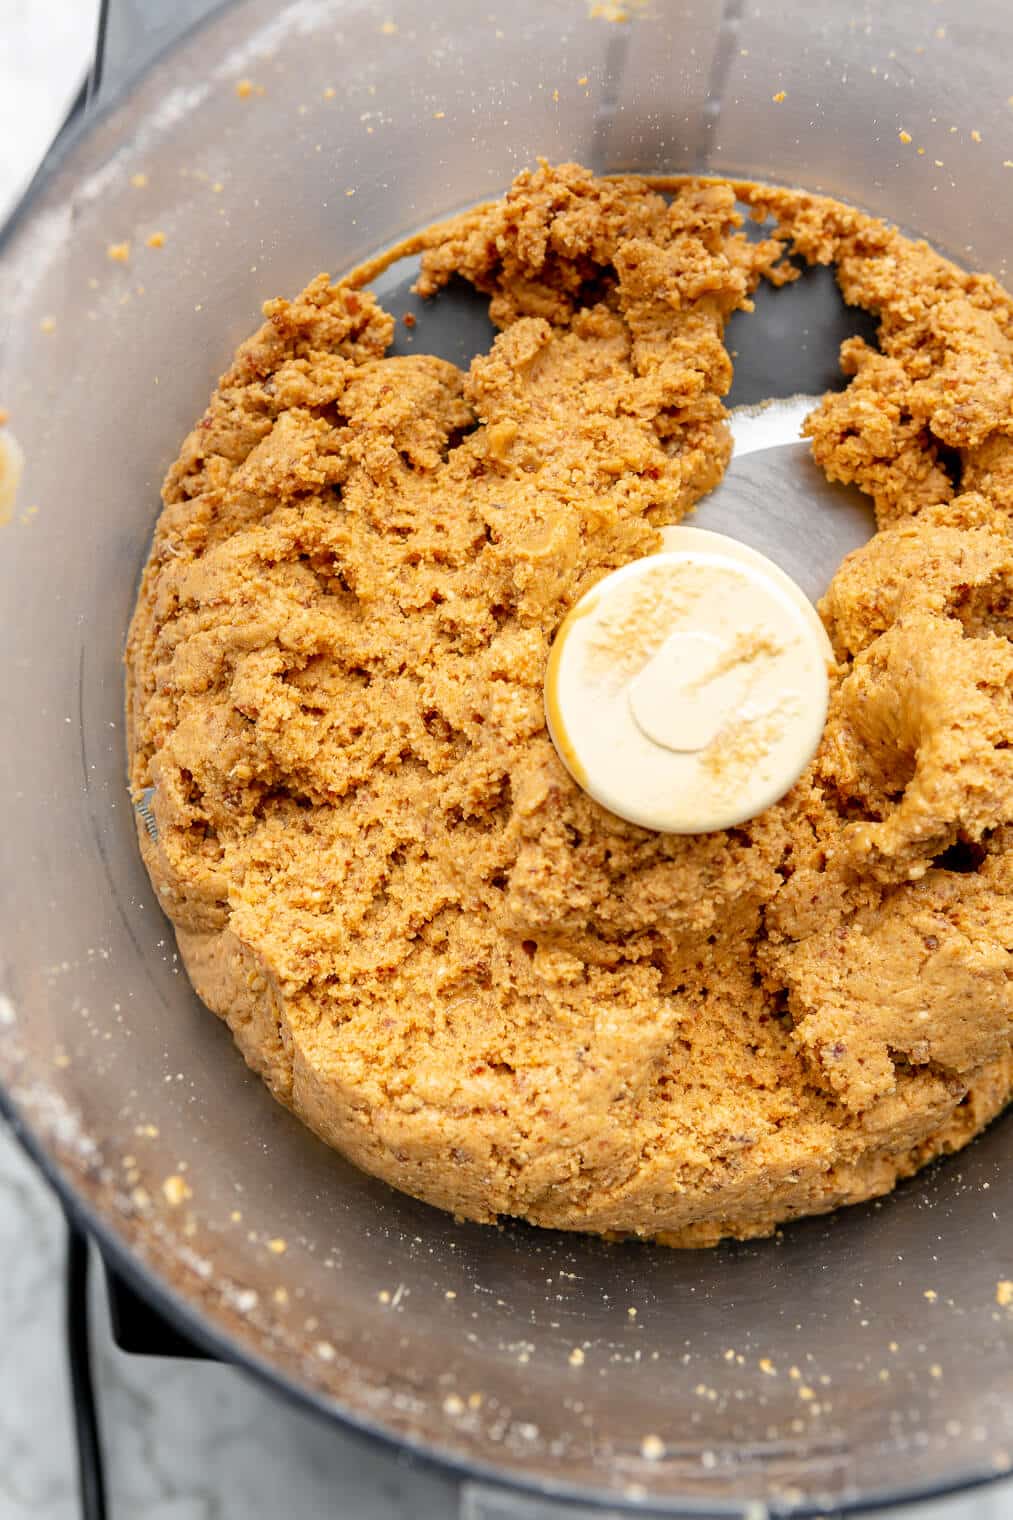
{"points": [[118, 1076]]}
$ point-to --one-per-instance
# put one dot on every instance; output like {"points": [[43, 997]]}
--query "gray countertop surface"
{"points": [[184, 1440]]}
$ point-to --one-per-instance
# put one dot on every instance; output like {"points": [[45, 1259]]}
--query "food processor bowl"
{"points": [[271, 142]]}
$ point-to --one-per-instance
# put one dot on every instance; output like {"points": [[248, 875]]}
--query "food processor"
{"points": [[230, 160]]}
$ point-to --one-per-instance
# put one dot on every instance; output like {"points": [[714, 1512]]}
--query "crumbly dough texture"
{"points": [[456, 967]]}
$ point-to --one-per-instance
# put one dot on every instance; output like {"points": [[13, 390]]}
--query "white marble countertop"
{"points": [[183, 1440]]}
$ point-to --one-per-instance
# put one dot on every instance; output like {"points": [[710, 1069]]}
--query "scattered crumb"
{"points": [[139, 181], [475, 1400], [450, 1293], [218, 187], [244, 88], [940, 32], [976, 136], [1004, 1293], [236, 1216], [576, 1357], [156, 240], [452, 1404], [938, 163], [921, 152], [146, 1131], [805, 1393], [350, 192], [613, 10], [935, 1370], [383, 1296], [280, 1295], [409, 319], [781, 95], [653, 1448], [330, 92], [325, 1351], [767, 1366], [931, 1295], [555, 95], [48, 324], [439, 115], [118, 252], [905, 137], [277, 1246], [389, 28], [176, 1189], [582, 79], [5, 416], [632, 1312]]}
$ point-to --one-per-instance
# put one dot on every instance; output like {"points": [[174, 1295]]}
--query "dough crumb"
{"points": [[176, 1190]]}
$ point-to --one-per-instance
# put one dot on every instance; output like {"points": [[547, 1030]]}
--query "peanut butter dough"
{"points": [[456, 967]]}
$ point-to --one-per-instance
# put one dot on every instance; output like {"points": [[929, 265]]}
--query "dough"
{"points": [[450, 962]]}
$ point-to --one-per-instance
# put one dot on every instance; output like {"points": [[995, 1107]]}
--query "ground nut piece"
{"points": [[988, 468], [534, 251], [415, 402], [921, 977], [945, 373], [868, 436], [968, 393], [956, 560]]}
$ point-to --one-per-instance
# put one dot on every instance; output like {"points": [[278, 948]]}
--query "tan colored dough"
{"points": [[446, 958]]}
